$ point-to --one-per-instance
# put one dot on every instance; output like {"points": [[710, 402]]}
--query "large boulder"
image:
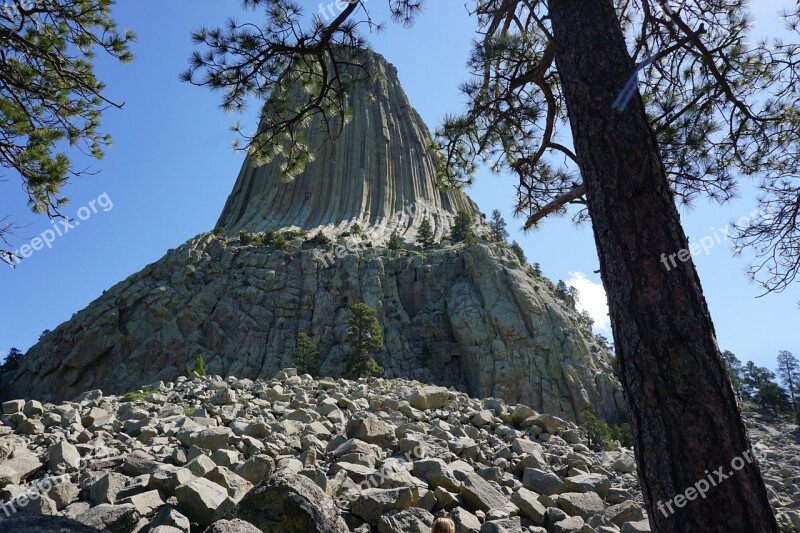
{"points": [[30, 522], [290, 504]]}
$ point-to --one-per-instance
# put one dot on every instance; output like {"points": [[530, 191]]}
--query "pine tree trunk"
{"points": [[684, 416]]}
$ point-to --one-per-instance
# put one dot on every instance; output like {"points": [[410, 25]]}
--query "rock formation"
{"points": [[376, 169], [472, 316]]}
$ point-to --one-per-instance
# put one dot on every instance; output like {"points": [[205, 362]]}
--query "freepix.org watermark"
{"points": [[706, 243], [703, 486], [331, 10], [60, 227]]}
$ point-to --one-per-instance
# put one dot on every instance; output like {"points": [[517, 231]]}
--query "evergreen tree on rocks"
{"points": [[365, 337], [425, 234]]}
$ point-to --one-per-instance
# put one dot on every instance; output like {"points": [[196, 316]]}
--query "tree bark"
{"points": [[686, 423]]}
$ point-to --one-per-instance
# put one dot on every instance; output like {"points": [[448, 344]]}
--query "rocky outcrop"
{"points": [[377, 173], [472, 317], [338, 456], [468, 316]]}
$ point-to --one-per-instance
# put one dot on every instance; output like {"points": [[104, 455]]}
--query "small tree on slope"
{"points": [[364, 337]]}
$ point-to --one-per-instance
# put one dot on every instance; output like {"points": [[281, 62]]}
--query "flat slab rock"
{"points": [[29, 522]]}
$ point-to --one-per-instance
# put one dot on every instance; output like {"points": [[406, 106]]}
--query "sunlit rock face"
{"points": [[376, 173], [470, 317]]}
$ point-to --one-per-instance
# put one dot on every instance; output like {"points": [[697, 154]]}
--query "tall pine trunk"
{"points": [[684, 416]]}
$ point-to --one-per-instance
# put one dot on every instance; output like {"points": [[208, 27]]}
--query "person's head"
{"points": [[443, 525]]}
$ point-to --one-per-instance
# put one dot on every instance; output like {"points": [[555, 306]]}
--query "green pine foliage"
{"points": [[320, 239], [395, 243], [517, 249], [498, 225], [199, 367], [597, 431], [306, 356], [12, 361], [463, 228], [50, 97], [365, 337], [425, 234]]}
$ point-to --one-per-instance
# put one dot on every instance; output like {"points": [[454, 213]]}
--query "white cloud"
{"points": [[592, 299]]}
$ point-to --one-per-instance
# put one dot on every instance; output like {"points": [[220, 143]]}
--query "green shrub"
{"points": [[355, 229], [622, 433], [320, 238], [395, 243], [292, 234], [133, 396], [219, 231], [199, 367], [250, 239], [273, 238], [597, 431], [366, 368], [306, 356], [517, 249]]}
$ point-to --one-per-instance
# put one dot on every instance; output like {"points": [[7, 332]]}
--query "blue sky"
{"points": [[172, 167]]}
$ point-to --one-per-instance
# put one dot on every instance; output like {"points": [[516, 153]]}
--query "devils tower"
{"points": [[469, 316]]}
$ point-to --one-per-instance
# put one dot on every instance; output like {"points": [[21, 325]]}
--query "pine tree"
{"points": [[425, 234], [49, 95], [462, 230], [755, 378], [498, 226], [789, 372], [735, 372], [364, 336], [395, 242], [517, 249], [12, 361], [306, 356]]}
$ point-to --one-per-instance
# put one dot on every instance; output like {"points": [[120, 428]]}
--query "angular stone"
{"points": [[588, 483], [371, 430], [480, 495], [465, 521], [506, 525], [529, 505], [167, 478], [542, 482], [145, 503], [413, 520], [370, 504], [114, 518], [642, 526], [429, 397], [201, 499], [167, 516], [105, 489], [624, 512], [211, 438], [236, 485], [232, 526], [270, 505], [13, 406], [583, 504], [256, 469], [437, 474], [63, 457]]}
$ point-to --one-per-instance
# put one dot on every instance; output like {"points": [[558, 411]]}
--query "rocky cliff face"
{"points": [[376, 172], [471, 317]]}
